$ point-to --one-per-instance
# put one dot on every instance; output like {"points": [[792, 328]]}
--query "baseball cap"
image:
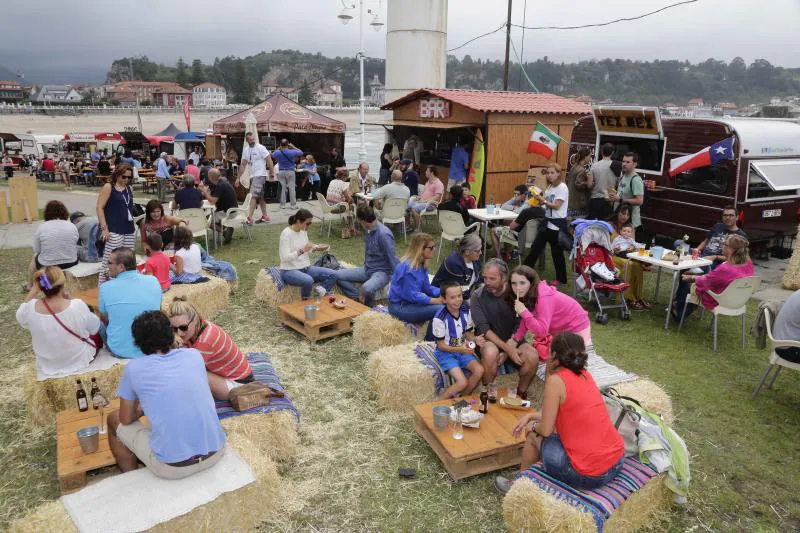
{"points": [[75, 216], [520, 189], [405, 161]]}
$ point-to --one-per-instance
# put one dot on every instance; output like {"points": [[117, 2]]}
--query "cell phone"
{"points": [[460, 404]]}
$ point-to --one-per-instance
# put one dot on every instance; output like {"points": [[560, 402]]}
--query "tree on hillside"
{"points": [[143, 69], [198, 76], [305, 96], [242, 85], [180, 72]]}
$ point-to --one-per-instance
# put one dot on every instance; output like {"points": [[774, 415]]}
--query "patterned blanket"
{"points": [[599, 502], [263, 373], [275, 274], [425, 353]]}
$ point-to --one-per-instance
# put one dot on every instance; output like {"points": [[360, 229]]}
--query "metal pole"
{"points": [[362, 152], [508, 44]]}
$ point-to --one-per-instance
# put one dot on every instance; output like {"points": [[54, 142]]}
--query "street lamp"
{"points": [[376, 24]]}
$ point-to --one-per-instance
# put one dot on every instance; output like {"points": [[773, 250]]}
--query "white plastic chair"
{"points": [[522, 239], [137, 228], [731, 302], [453, 228], [196, 222], [394, 212], [237, 216], [328, 214], [775, 360]]}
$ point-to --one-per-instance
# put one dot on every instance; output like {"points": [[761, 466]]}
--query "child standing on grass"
{"points": [[310, 166], [157, 263], [452, 328]]}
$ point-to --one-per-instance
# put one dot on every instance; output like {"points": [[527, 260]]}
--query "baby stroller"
{"points": [[594, 267]]}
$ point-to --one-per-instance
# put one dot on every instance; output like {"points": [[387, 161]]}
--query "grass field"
{"points": [[744, 452]]}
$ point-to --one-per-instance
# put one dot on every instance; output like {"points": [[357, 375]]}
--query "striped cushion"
{"points": [[425, 353], [599, 502], [264, 373]]}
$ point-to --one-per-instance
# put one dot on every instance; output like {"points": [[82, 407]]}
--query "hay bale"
{"points": [[209, 298], [239, 510], [651, 395], [528, 508], [791, 278], [46, 398], [267, 292], [373, 331], [82, 277], [399, 379], [275, 434]]}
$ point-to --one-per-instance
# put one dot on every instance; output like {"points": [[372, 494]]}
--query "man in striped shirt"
{"points": [[226, 365]]}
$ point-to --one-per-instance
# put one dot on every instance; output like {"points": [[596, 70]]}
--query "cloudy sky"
{"points": [[78, 40]]}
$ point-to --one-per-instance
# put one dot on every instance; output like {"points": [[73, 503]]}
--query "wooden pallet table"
{"points": [[486, 449], [329, 321]]}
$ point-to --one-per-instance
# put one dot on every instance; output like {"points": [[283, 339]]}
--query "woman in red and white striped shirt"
{"points": [[226, 365]]}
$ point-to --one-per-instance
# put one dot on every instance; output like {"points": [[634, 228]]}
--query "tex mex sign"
{"points": [[639, 121]]}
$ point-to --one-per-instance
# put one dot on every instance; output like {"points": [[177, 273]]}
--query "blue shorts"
{"points": [[557, 464], [449, 361], [419, 207]]}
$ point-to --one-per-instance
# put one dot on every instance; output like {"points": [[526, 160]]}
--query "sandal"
{"points": [[645, 304], [635, 306]]}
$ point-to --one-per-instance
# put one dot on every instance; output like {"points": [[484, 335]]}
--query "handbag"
{"points": [[624, 418], [327, 260], [95, 340], [137, 210]]}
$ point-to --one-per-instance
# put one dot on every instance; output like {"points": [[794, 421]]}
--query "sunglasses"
{"points": [[431, 247], [184, 328], [127, 176]]}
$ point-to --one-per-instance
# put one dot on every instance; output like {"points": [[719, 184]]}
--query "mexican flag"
{"points": [[543, 141]]}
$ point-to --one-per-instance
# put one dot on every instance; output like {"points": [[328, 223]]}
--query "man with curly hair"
{"points": [[169, 386]]}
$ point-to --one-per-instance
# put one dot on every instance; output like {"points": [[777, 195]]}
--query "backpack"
{"points": [[624, 418], [327, 260]]}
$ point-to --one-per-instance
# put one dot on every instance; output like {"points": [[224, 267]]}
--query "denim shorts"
{"points": [[449, 361], [557, 464]]}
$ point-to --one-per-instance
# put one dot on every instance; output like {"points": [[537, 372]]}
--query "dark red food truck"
{"points": [[762, 181]]}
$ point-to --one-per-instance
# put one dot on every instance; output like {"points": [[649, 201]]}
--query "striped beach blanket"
{"points": [[426, 355], [275, 274], [599, 502], [605, 374], [263, 372]]}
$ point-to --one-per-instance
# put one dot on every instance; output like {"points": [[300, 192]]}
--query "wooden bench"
{"points": [[72, 464], [486, 449], [329, 321]]}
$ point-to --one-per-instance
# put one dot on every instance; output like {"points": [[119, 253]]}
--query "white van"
{"points": [[39, 144]]}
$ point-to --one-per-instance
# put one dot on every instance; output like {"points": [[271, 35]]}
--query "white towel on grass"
{"points": [[138, 500]]}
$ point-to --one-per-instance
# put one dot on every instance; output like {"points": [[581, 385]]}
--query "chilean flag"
{"points": [[708, 156]]}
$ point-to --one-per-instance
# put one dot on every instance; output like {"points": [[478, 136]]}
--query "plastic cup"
{"points": [[441, 417]]}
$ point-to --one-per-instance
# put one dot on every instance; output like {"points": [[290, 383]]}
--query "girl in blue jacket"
{"points": [[411, 297]]}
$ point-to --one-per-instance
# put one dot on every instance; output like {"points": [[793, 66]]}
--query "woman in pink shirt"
{"points": [[737, 265], [543, 310]]}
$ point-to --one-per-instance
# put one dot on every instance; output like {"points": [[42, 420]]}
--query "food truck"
{"points": [[762, 180], [91, 142]]}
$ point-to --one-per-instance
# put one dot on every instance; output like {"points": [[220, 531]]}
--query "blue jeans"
{"points": [[680, 299], [409, 312], [557, 464], [305, 278], [370, 285]]}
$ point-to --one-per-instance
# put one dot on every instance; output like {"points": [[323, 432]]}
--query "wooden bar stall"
{"points": [[436, 119]]}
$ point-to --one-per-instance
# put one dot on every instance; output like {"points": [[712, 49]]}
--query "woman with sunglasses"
{"points": [[296, 268], [226, 365], [411, 296], [115, 214]]}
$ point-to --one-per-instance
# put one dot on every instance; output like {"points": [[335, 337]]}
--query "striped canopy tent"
{"points": [[278, 114]]}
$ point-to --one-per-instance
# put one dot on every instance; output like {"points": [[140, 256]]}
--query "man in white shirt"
{"points": [[257, 156], [194, 157]]}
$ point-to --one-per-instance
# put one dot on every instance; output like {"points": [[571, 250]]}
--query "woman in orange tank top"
{"points": [[573, 434]]}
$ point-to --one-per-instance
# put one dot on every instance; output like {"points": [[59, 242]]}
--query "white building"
{"points": [[56, 93], [329, 94], [268, 87], [209, 95], [377, 92]]}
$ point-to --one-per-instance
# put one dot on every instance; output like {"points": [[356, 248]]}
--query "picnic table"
{"points": [[686, 263], [490, 447]]}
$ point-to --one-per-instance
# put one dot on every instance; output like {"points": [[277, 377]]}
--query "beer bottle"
{"points": [[484, 401], [80, 396], [94, 392]]}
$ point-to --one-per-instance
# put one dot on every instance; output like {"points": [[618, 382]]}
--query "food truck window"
{"points": [[28, 143], [710, 180], [650, 151], [769, 179]]}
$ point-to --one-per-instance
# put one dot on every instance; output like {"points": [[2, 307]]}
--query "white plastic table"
{"points": [[685, 264], [482, 216]]}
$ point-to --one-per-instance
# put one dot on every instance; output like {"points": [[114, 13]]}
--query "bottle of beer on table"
{"points": [[484, 401], [80, 396], [94, 392]]}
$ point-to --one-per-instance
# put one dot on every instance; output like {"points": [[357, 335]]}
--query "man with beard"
{"points": [[495, 323]]}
